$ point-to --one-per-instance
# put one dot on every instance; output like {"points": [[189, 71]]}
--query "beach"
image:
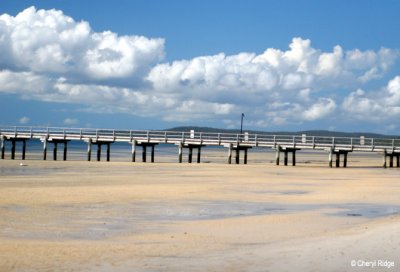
{"points": [[166, 216]]}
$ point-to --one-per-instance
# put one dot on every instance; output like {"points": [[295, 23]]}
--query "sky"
{"points": [[154, 64]]}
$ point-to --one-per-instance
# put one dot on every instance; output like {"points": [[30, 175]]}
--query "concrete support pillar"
{"points": [[237, 155], [190, 154], [230, 154], [108, 151], [245, 156], [398, 160], [294, 157], [144, 153], [330, 158], [286, 158], [278, 154], [98, 152], [3, 146], [133, 151], [198, 154], [345, 159], [23, 149], [391, 160], [180, 152], [65, 151], [55, 151], [152, 153], [384, 158], [12, 149], [337, 159], [89, 150], [45, 149]]}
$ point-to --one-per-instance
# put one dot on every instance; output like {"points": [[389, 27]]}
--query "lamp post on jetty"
{"points": [[241, 124]]}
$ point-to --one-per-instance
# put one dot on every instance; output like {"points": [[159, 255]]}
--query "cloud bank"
{"points": [[48, 56], [47, 42]]}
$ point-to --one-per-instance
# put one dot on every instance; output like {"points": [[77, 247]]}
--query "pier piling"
{"points": [[230, 154], [44, 149], [144, 152], [384, 158], [89, 149], [180, 152], [285, 161], [23, 149], [190, 148], [237, 150], [286, 152], [190, 154], [98, 151], [133, 143], [152, 153], [65, 150], [198, 154], [55, 151], [108, 151], [99, 147], [337, 159], [278, 154], [391, 156], [55, 142], [294, 157], [12, 149], [337, 153], [144, 146], [2, 146]]}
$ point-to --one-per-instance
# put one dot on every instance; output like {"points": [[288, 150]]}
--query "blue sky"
{"points": [[288, 65]]}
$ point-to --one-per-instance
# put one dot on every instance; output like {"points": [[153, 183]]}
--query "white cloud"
{"points": [[48, 56], [377, 106], [300, 67], [24, 120], [49, 42], [319, 110], [70, 121]]}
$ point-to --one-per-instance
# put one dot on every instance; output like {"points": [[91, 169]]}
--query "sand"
{"points": [[119, 216]]}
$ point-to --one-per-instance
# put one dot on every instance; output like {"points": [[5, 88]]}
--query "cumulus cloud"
{"points": [[70, 121], [298, 68], [301, 80], [24, 120], [49, 42], [379, 106], [320, 109], [49, 56]]}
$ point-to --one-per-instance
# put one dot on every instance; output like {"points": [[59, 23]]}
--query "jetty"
{"points": [[336, 147]]}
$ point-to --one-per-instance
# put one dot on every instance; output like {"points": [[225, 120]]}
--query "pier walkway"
{"points": [[193, 140]]}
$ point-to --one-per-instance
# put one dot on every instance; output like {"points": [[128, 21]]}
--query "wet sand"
{"points": [[119, 216]]}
